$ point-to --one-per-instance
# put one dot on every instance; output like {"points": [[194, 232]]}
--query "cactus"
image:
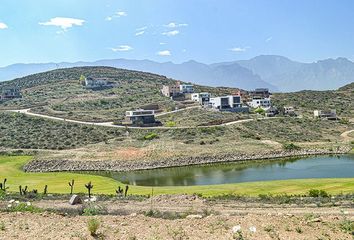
{"points": [[71, 184], [45, 190], [126, 190], [24, 191], [20, 188], [35, 191], [89, 186], [119, 191], [3, 185]]}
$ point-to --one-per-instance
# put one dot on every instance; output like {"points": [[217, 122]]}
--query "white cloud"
{"points": [[139, 33], [3, 25], [171, 33], [62, 22], [122, 48], [163, 43], [175, 25], [141, 29], [269, 39], [164, 53], [239, 49], [121, 14], [116, 15]]}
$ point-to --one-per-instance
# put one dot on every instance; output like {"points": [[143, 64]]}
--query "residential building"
{"points": [[228, 103], [289, 110], [260, 93], [325, 114], [271, 111], [10, 93], [140, 117], [97, 83], [186, 88], [260, 102], [203, 98], [170, 90]]}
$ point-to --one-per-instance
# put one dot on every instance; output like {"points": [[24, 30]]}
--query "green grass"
{"points": [[10, 168]]}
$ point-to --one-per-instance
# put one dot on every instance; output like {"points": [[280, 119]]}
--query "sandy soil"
{"points": [[254, 221]]}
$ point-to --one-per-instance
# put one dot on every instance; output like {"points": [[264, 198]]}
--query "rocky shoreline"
{"points": [[124, 166]]}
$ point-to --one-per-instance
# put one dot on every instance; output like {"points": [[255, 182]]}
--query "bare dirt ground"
{"points": [[252, 220]]}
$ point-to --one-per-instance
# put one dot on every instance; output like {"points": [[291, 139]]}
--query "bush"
{"points": [[318, 193], [93, 210], [290, 147], [92, 225], [150, 136], [24, 207], [170, 124]]}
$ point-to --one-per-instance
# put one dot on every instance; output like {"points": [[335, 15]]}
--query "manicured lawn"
{"points": [[10, 167]]}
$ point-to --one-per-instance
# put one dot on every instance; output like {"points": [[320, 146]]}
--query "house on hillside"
{"points": [[98, 83], [260, 102], [203, 98], [141, 118], [170, 90], [186, 88], [260, 93], [326, 114], [10, 93], [289, 110], [230, 103]]}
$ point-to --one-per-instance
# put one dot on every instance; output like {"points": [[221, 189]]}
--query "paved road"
{"points": [[110, 124]]}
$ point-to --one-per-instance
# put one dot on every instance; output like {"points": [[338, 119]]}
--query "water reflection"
{"points": [[313, 167]]}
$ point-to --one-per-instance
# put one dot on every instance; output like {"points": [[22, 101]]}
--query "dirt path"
{"points": [[346, 136], [111, 124]]}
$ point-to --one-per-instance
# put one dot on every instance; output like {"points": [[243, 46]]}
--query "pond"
{"points": [[297, 168]]}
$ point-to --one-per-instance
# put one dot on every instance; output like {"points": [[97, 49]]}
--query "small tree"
{"points": [[71, 184], [89, 186], [82, 79]]}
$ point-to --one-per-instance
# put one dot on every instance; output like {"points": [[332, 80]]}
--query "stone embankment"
{"points": [[123, 166]]}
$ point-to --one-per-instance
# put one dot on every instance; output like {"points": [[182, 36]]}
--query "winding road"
{"points": [[111, 124]]}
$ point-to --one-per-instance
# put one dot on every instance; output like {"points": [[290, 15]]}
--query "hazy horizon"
{"points": [[207, 32]]}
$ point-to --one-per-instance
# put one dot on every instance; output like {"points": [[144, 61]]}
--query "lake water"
{"points": [[310, 167]]}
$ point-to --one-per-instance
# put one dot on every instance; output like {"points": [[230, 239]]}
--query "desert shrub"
{"points": [[92, 225], [347, 226], [93, 210], [170, 124], [24, 207], [318, 193], [290, 147], [150, 136]]}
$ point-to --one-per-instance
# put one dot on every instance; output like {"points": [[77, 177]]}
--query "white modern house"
{"points": [[260, 102], [230, 103], [203, 97]]}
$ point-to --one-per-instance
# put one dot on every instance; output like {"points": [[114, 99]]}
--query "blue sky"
{"points": [[169, 30]]}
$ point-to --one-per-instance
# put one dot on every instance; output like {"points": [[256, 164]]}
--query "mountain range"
{"points": [[274, 72]]}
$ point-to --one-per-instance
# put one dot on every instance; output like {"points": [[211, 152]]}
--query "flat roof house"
{"points": [[186, 88], [230, 103], [203, 98], [97, 83], [260, 102], [10, 93], [326, 114], [140, 117], [260, 92], [170, 90]]}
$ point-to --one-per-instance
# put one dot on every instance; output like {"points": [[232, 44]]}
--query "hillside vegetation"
{"points": [[59, 93], [307, 101]]}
